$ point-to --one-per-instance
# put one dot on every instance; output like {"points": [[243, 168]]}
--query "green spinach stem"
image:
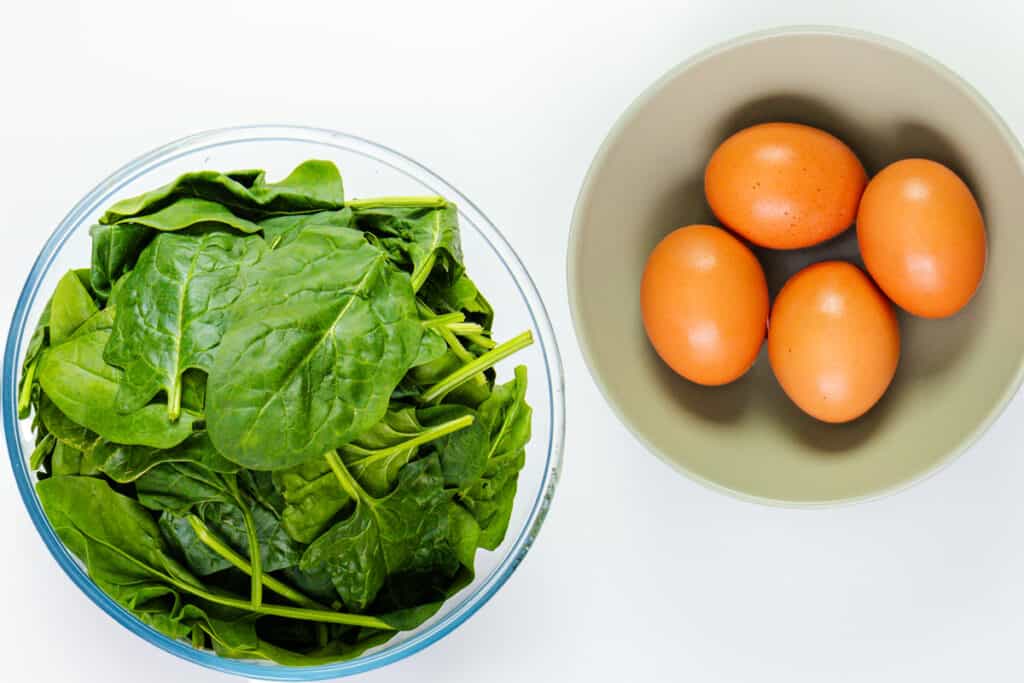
{"points": [[481, 340], [452, 341], [25, 397], [426, 436], [255, 556], [198, 637], [427, 202], [464, 329], [477, 365], [40, 451], [215, 544], [174, 401], [422, 271], [348, 484], [447, 319]]}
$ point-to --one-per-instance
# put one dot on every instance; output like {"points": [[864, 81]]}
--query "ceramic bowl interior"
{"points": [[368, 170], [887, 102]]}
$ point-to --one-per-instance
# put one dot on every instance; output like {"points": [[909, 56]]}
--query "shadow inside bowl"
{"points": [[722, 405]]}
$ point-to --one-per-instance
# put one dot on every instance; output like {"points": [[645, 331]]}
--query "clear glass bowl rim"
{"points": [[100, 196]]}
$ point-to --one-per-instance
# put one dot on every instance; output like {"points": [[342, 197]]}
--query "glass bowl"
{"points": [[368, 169]]}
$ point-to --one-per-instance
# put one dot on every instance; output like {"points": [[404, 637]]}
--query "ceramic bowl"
{"points": [[888, 102]]}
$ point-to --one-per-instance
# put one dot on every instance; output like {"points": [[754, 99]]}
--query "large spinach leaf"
{"points": [[316, 347], [84, 387], [192, 213], [172, 311], [311, 186], [125, 464], [506, 418], [281, 230]]}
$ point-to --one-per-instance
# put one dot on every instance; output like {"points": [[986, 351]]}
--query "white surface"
{"points": [[639, 574]]}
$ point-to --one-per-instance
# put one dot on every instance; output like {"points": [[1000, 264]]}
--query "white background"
{"points": [[639, 573]]}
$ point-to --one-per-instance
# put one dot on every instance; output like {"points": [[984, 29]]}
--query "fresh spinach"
{"points": [[404, 531], [84, 387], [266, 417], [423, 229], [316, 347], [172, 311], [71, 305], [312, 186]]}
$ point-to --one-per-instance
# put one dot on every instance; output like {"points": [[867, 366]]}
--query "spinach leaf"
{"points": [[70, 306], [315, 583], [111, 533], [115, 248], [506, 417], [311, 186], [281, 230], [404, 531], [312, 498], [125, 464], [193, 391], [66, 460], [432, 347], [277, 549], [64, 429], [315, 349], [39, 340], [28, 381], [471, 393], [192, 212], [313, 495], [260, 485], [376, 457], [172, 311], [461, 295], [424, 229], [128, 559], [43, 450], [463, 454], [181, 486], [180, 536], [84, 387]]}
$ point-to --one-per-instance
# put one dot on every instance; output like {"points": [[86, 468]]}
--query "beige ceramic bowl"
{"points": [[887, 102]]}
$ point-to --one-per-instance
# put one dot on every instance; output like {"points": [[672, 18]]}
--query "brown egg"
{"points": [[833, 341], [784, 185], [922, 237], [705, 304]]}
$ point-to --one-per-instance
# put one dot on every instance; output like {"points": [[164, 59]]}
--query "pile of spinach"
{"points": [[266, 417]]}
